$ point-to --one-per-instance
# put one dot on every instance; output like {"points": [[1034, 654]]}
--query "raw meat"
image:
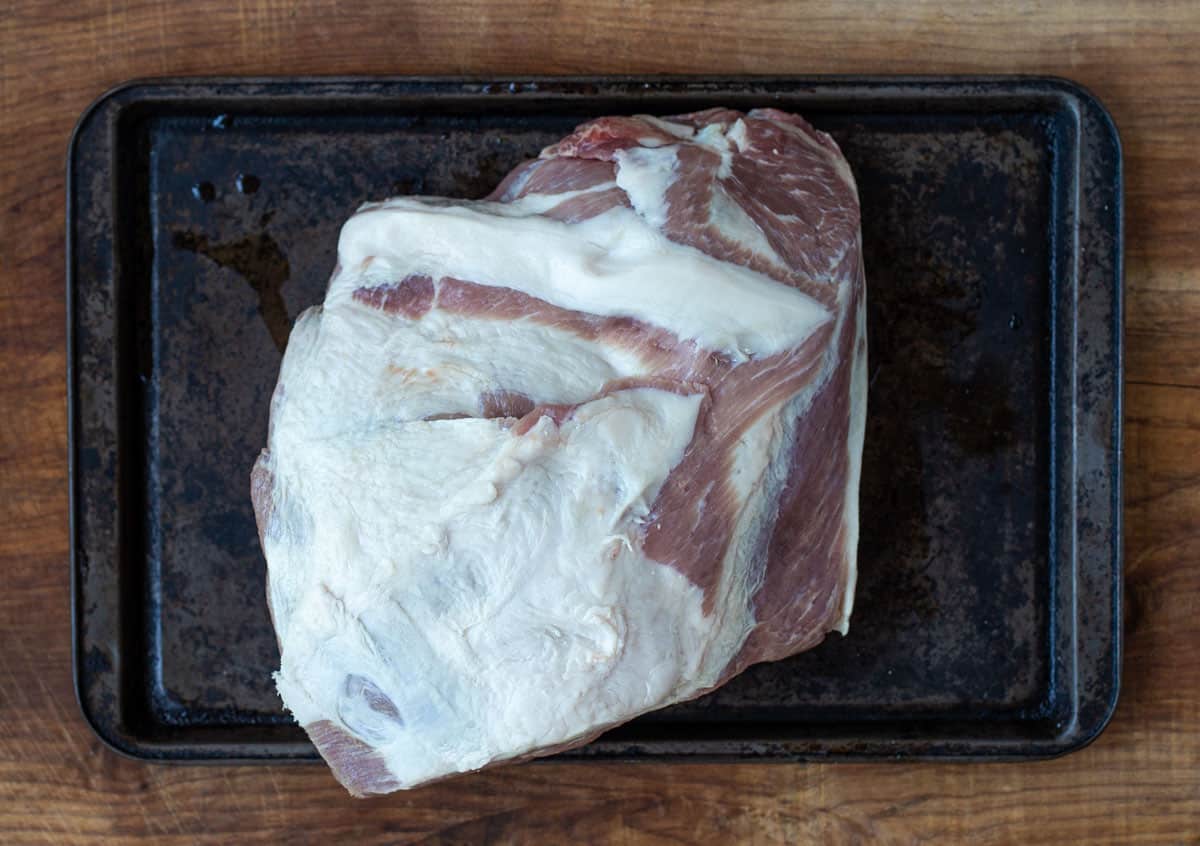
{"points": [[589, 447]]}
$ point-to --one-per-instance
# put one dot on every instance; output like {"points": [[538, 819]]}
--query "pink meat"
{"points": [[789, 178], [793, 184]]}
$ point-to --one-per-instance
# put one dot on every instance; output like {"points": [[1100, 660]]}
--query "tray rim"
{"points": [[1067, 94]]}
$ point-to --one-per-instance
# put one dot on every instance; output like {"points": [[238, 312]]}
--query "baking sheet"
{"points": [[203, 217]]}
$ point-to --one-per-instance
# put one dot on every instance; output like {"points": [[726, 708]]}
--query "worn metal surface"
{"points": [[204, 218]]}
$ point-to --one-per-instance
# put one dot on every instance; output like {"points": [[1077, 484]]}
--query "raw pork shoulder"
{"points": [[547, 461]]}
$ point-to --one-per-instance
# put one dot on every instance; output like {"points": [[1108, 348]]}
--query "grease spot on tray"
{"points": [[258, 259], [204, 192], [248, 183]]}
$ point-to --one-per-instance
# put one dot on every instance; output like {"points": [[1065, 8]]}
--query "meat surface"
{"points": [[586, 448]]}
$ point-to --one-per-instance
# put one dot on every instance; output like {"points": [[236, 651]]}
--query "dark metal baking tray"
{"points": [[203, 217]]}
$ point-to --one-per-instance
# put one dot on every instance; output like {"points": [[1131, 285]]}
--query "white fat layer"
{"points": [[396, 369], [713, 137], [737, 135], [733, 222], [615, 264], [854, 445], [645, 174], [489, 585]]}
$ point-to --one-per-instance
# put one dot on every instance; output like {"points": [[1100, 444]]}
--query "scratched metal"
{"points": [[204, 219]]}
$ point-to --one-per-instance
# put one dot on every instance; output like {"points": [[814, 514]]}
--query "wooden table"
{"points": [[1140, 782]]}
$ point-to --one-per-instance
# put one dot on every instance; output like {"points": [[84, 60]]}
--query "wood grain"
{"points": [[1140, 783]]}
